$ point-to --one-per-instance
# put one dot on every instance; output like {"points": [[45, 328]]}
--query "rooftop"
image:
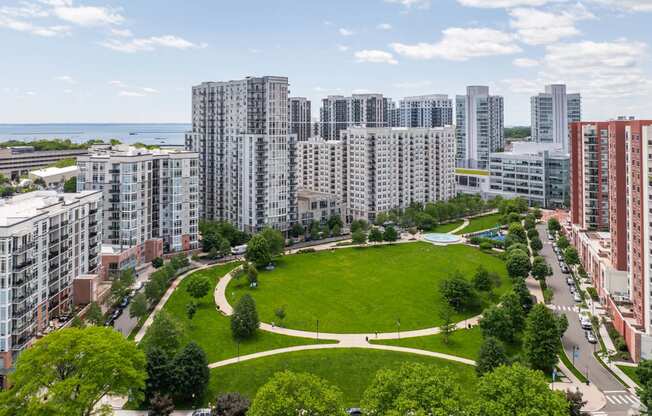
{"points": [[54, 171], [24, 206]]}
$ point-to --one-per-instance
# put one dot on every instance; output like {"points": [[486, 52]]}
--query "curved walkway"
{"points": [[350, 339], [461, 227]]}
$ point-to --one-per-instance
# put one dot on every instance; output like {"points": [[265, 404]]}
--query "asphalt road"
{"points": [[619, 401], [124, 324]]}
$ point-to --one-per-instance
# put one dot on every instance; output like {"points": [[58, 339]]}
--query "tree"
{"points": [[359, 225], [244, 321], [517, 391], [76, 367], [314, 230], [280, 313], [335, 221], [511, 303], [94, 316], [231, 404], [523, 293], [517, 246], [518, 264], [482, 280], [518, 231], [157, 262], [575, 402], [413, 389], [121, 286], [258, 251], [179, 261], [553, 225], [252, 274], [390, 234], [165, 332], [571, 257], [70, 186], [297, 230], [644, 374], [457, 292], [160, 405], [532, 232], [536, 244], [336, 230], [223, 247], [375, 235], [160, 372], [537, 213], [139, 306], [191, 373], [275, 240], [191, 309], [359, 237], [497, 323], [529, 223], [562, 242], [492, 355], [562, 325], [540, 269], [541, 341], [198, 286], [447, 326], [288, 393]]}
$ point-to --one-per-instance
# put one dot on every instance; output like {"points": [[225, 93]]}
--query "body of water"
{"points": [[152, 133]]}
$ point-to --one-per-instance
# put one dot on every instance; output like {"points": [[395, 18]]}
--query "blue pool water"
{"points": [[493, 235]]}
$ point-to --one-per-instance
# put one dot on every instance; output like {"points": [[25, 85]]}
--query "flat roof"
{"points": [[31, 204], [55, 171]]}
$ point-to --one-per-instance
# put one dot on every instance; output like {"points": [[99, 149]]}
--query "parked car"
{"points": [[585, 322], [202, 412], [577, 298], [125, 302], [239, 250], [564, 268], [354, 411], [590, 336], [109, 321], [116, 314], [570, 281], [550, 237]]}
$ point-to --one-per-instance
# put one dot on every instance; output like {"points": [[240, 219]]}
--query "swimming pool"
{"points": [[495, 235], [440, 238]]}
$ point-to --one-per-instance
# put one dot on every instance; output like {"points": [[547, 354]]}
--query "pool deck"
{"points": [[446, 239]]}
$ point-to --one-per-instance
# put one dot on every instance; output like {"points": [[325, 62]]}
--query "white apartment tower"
{"points": [[360, 110], [299, 117], [479, 129], [47, 239], [319, 166], [427, 111], [387, 168], [246, 152], [551, 112]]}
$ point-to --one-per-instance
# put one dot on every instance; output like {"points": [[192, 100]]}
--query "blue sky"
{"points": [[135, 61]]}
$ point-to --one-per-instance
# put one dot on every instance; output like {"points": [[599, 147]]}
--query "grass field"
{"points": [[212, 331], [463, 343], [481, 223], [631, 373], [352, 370], [446, 228], [370, 289]]}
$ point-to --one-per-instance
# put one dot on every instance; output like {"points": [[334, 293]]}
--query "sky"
{"points": [[117, 61]]}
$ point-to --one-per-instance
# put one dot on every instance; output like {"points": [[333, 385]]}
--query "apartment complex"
{"points": [[17, 162], [427, 111], [320, 166], [151, 201], [360, 110], [479, 127], [47, 240], [551, 113], [299, 117], [387, 168], [246, 153]]}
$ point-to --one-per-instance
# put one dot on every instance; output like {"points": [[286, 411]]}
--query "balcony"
{"points": [[21, 267]]}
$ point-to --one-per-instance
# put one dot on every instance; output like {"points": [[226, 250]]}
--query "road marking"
{"points": [[626, 399], [564, 308]]}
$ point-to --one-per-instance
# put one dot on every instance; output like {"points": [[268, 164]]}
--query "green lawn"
{"points": [[212, 331], [631, 373], [481, 223], [353, 290], [352, 370], [446, 228], [463, 343]]}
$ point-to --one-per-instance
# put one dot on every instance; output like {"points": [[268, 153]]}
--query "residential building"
{"points": [[479, 127], [387, 168], [47, 240], [360, 110], [246, 152], [320, 166], [299, 117], [151, 201], [472, 182], [317, 206], [551, 112], [17, 162], [434, 110], [54, 177]]}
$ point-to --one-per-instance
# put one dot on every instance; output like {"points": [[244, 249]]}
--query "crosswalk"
{"points": [[568, 308], [621, 398]]}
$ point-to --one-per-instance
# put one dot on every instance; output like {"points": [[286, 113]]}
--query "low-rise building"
{"points": [[317, 206], [473, 182], [54, 177], [17, 162]]}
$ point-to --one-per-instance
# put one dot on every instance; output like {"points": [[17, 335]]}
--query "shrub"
{"points": [[486, 246], [593, 293]]}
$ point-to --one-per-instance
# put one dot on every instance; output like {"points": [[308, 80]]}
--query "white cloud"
{"points": [[628, 5], [19, 25], [30, 93], [24, 10], [419, 4], [413, 84], [537, 27], [117, 83], [150, 90], [375, 56], [384, 26], [525, 62], [84, 15], [150, 44], [342, 48], [123, 33], [523, 86], [500, 4], [131, 94], [345, 32], [66, 78], [461, 44]]}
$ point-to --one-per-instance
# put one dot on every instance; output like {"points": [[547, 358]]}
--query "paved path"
{"points": [[461, 227]]}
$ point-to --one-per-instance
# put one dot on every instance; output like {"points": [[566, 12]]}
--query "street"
{"points": [[619, 400], [124, 324]]}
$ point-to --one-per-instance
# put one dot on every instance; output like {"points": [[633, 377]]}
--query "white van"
{"points": [[239, 250]]}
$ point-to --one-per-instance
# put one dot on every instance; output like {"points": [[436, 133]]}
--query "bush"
{"points": [[593, 293], [486, 246], [306, 251], [157, 262]]}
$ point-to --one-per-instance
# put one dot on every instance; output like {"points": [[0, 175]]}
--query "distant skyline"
{"points": [[70, 61]]}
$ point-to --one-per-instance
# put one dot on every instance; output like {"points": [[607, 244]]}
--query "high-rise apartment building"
{"points": [[479, 127], [47, 240], [428, 111], [551, 112], [151, 200], [362, 110], [299, 117], [387, 168], [319, 166], [246, 152]]}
